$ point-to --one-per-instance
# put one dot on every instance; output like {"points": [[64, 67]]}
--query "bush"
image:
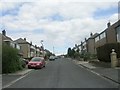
{"points": [[10, 59], [86, 56], [103, 52]]}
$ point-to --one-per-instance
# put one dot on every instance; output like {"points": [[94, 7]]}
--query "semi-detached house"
{"points": [[110, 35], [25, 47], [7, 40]]}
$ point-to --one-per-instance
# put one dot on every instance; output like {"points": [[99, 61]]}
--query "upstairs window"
{"points": [[102, 35], [97, 39], [118, 33]]}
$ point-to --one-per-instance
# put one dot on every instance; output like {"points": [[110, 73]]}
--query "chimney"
{"points": [[85, 39], [108, 24], [25, 39], [4, 32], [81, 42], [91, 34], [31, 43]]}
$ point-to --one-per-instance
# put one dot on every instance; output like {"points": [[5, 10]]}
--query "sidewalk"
{"points": [[102, 69]]}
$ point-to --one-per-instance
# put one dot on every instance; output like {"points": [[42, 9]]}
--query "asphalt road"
{"points": [[63, 73]]}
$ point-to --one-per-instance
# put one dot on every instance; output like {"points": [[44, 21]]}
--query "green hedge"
{"points": [[10, 59], [103, 52]]}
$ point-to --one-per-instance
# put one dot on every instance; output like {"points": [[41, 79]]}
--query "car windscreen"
{"points": [[36, 59]]}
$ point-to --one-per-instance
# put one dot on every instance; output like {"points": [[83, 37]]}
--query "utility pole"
{"points": [[42, 48]]}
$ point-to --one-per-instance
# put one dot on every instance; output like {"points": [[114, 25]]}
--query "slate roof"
{"points": [[21, 41]]}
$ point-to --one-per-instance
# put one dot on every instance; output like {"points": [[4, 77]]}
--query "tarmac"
{"points": [[98, 68]]}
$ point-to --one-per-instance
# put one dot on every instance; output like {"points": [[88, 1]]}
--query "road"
{"points": [[63, 73]]}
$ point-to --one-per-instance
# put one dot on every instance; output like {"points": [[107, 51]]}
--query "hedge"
{"points": [[10, 59], [103, 52]]}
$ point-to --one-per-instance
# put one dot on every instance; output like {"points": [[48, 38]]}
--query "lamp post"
{"points": [[53, 49], [42, 47]]}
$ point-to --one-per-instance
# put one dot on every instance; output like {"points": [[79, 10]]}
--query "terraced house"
{"points": [[110, 35], [107, 40], [28, 49]]}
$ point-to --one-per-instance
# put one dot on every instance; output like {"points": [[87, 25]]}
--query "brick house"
{"points": [[91, 44], [109, 35]]}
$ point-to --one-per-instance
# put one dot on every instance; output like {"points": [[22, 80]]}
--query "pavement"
{"points": [[102, 69]]}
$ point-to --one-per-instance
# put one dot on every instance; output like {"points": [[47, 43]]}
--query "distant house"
{"points": [[91, 44], [29, 50], [38, 51]]}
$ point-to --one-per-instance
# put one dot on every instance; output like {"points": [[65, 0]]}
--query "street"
{"points": [[63, 73]]}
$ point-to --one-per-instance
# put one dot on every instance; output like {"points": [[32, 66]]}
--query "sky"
{"points": [[59, 23]]}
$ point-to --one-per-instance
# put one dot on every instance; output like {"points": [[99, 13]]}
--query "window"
{"points": [[118, 33], [102, 35], [97, 39]]}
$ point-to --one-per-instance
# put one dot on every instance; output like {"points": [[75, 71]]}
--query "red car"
{"points": [[36, 62]]}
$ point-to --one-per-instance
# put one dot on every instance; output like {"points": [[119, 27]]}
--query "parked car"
{"points": [[23, 62], [52, 58], [36, 62]]}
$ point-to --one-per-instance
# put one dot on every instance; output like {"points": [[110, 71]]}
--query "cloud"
{"points": [[59, 24]]}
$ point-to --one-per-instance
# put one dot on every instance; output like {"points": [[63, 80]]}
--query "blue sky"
{"points": [[104, 13], [61, 25]]}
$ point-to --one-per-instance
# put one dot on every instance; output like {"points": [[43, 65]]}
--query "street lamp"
{"points": [[42, 47]]}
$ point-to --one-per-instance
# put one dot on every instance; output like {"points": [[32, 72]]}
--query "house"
{"points": [[91, 44], [7, 39], [109, 35], [83, 47], [32, 50], [38, 51], [25, 47], [29, 50], [10, 42]]}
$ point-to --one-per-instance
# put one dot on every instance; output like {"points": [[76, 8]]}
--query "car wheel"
{"points": [[29, 68]]}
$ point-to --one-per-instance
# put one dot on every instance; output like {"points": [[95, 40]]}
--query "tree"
{"points": [[73, 53], [69, 52]]}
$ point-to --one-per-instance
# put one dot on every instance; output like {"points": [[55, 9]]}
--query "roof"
{"points": [[93, 36], [6, 38], [21, 41]]}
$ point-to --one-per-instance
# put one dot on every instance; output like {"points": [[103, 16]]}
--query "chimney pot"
{"points": [[25, 39], [108, 24], [91, 34], [4, 32]]}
